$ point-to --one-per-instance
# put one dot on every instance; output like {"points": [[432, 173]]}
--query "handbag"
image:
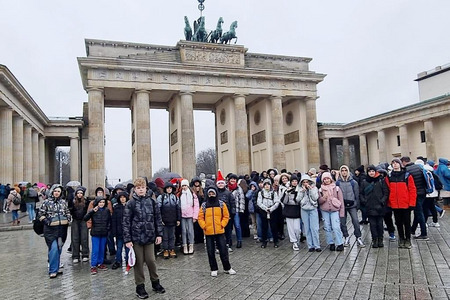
{"points": [[336, 202]]}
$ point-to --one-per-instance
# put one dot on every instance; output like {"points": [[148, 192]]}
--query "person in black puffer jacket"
{"points": [[117, 227], [101, 224], [421, 185], [374, 193], [78, 207], [170, 208], [142, 229]]}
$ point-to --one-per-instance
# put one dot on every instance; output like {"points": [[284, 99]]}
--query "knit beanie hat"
{"points": [[396, 160], [184, 182], [326, 175], [159, 182], [371, 168]]}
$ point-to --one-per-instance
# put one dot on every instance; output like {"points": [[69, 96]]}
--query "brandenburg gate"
{"points": [[264, 105]]}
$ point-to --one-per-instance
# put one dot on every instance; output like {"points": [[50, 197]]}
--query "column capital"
{"points": [[186, 92], [142, 91], [273, 97], [94, 89], [239, 95]]}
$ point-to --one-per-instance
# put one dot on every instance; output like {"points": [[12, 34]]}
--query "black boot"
{"points": [[380, 242], [141, 292], [375, 243], [332, 247], [157, 287], [239, 244]]}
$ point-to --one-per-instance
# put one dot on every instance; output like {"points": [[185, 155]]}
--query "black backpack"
{"points": [[437, 182]]}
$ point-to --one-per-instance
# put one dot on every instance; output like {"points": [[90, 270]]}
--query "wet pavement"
{"points": [[272, 273]]}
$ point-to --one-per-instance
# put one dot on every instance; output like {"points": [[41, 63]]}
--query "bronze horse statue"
{"points": [[229, 35], [187, 29], [215, 35], [200, 34]]}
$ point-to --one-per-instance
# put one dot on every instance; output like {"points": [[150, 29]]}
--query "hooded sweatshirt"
{"points": [[349, 187], [444, 173]]}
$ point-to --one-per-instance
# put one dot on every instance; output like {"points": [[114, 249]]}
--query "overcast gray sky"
{"points": [[371, 52]]}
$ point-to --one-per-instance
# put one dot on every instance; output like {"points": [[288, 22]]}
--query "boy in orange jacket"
{"points": [[213, 217]]}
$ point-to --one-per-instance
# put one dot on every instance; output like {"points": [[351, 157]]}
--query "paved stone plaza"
{"points": [[388, 273]]}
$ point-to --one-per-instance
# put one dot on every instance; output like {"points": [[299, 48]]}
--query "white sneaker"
{"points": [[85, 259], [75, 260], [442, 213], [230, 271], [61, 265], [435, 224], [360, 243], [214, 273], [347, 242], [255, 236], [295, 247], [217, 251], [230, 249]]}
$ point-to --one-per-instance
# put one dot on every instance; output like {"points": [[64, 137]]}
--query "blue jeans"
{"points": [[98, 250], [120, 245], [419, 218], [30, 210], [332, 225], [54, 255], [15, 214], [310, 219], [259, 228], [237, 227]]}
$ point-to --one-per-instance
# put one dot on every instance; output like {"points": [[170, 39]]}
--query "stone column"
{"points": [[27, 154], [96, 139], [326, 153], [313, 134], [382, 146], [142, 161], [363, 150], [188, 159], [346, 151], [35, 156], [279, 158], [18, 149], [429, 139], [43, 176], [6, 148], [241, 135], [74, 159], [403, 132]]}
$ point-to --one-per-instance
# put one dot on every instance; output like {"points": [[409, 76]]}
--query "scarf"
{"points": [[328, 189], [186, 199], [232, 187]]}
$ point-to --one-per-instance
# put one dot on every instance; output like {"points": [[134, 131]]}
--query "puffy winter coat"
{"points": [[142, 221], [444, 173], [419, 179], [402, 191], [116, 220], [101, 221], [268, 200], [226, 196], [213, 217], [169, 205], [326, 204], [374, 194]]}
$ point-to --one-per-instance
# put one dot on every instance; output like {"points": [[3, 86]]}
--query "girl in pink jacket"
{"points": [[189, 215], [331, 204]]}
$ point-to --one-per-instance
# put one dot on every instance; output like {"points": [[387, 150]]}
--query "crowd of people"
{"points": [[145, 219]]}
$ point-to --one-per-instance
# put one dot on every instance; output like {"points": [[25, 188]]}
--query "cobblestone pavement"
{"points": [[272, 273]]}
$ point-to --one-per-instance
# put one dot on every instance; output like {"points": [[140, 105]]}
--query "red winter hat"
{"points": [[219, 177], [159, 182]]}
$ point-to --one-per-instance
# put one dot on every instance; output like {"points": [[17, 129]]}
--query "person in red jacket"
{"points": [[402, 199]]}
